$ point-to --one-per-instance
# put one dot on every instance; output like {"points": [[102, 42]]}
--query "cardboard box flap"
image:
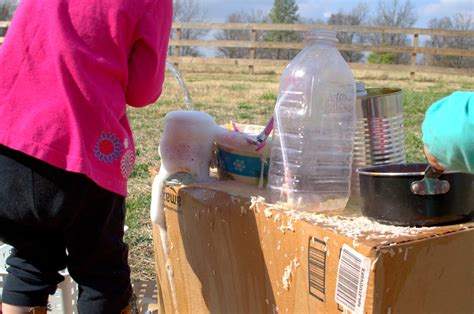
{"points": [[347, 222]]}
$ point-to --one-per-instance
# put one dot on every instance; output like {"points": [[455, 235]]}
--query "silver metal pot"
{"points": [[379, 136]]}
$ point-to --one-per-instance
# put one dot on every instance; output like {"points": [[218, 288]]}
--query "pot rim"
{"points": [[390, 174], [377, 171]]}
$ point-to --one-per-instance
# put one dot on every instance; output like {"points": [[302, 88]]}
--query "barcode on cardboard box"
{"points": [[317, 268], [352, 279]]}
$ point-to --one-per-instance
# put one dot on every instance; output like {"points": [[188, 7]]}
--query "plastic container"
{"points": [[62, 301], [237, 163], [311, 155]]}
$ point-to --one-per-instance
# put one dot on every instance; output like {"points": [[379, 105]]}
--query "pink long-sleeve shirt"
{"points": [[68, 69]]}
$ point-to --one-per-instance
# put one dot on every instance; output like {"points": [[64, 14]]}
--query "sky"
{"points": [[218, 10]]}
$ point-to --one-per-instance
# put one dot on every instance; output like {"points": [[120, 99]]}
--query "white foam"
{"points": [[186, 146], [158, 216], [186, 143]]}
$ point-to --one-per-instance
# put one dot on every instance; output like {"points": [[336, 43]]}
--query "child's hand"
{"points": [[432, 160]]}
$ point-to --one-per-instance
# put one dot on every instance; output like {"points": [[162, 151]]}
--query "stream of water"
{"points": [[188, 104]]}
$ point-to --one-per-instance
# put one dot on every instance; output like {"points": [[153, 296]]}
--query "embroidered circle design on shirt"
{"points": [[126, 164], [108, 148]]}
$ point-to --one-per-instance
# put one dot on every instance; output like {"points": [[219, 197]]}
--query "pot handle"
{"points": [[430, 185]]}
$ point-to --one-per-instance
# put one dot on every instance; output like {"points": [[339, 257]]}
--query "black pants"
{"points": [[56, 219]]}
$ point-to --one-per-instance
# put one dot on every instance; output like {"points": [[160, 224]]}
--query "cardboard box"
{"points": [[229, 252]]}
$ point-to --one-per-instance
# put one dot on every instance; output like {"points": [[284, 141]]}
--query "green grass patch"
{"points": [[415, 104], [467, 86], [140, 170], [165, 102], [239, 87], [137, 208], [244, 106], [199, 105], [245, 117], [268, 97]]}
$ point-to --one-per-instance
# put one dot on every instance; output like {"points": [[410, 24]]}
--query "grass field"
{"points": [[230, 93]]}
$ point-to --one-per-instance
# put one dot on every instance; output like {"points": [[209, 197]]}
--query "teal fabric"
{"points": [[448, 131]]}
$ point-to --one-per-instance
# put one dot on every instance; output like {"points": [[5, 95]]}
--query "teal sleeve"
{"points": [[448, 131]]}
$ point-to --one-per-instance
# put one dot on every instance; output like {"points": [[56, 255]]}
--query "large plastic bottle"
{"points": [[311, 155]]}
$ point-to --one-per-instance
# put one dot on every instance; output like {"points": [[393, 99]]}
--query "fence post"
{"points": [[177, 48], [252, 51], [413, 54], [3, 30]]}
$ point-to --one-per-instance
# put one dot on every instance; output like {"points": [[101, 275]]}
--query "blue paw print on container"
{"points": [[239, 165]]}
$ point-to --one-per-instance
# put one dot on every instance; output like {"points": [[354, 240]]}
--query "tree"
{"points": [[284, 12], [356, 17], [7, 8], [240, 35], [392, 13], [459, 22], [188, 11], [381, 58]]}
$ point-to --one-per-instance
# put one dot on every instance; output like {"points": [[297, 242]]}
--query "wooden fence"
{"points": [[3, 25], [253, 44]]}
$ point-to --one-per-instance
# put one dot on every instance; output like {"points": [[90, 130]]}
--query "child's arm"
{"points": [[448, 131], [148, 57]]}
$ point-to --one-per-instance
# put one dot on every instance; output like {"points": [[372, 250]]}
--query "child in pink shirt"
{"points": [[68, 69]]}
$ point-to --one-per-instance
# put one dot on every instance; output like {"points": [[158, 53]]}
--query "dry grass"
{"points": [[230, 93]]}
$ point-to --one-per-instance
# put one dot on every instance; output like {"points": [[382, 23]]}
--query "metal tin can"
{"points": [[379, 137]]}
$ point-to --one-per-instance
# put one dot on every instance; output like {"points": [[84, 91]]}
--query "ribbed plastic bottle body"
{"points": [[313, 138]]}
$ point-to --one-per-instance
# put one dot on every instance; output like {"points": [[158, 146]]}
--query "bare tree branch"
{"points": [[357, 16], [7, 8], [189, 11], [243, 35], [396, 14], [459, 22]]}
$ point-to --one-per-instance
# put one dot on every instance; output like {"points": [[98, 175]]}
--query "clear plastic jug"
{"points": [[311, 155]]}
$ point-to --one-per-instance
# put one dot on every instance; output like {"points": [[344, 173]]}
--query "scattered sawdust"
{"points": [[288, 226], [287, 273], [268, 212], [255, 201], [353, 226]]}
